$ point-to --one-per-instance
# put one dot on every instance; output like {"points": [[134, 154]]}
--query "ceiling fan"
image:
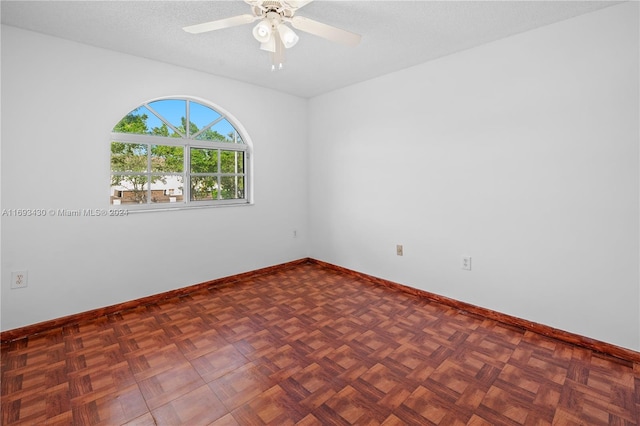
{"points": [[272, 32]]}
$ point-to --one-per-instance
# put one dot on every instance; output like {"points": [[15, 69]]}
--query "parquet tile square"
{"points": [[195, 345], [282, 362], [307, 345], [167, 385], [352, 407], [198, 407], [273, 406], [219, 362], [109, 408], [241, 385]]}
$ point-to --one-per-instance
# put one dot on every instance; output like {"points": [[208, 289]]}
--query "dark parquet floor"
{"points": [[307, 345]]}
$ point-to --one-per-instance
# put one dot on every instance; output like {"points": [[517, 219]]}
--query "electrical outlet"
{"points": [[399, 250], [466, 263], [18, 279]]}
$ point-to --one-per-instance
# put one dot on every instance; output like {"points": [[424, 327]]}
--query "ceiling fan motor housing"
{"points": [[269, 7]]}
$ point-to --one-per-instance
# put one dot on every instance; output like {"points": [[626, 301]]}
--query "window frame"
{"points": [[187, 142]]}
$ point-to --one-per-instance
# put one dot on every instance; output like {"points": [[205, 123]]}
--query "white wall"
{"points": [[59, 102], [522, 153]]}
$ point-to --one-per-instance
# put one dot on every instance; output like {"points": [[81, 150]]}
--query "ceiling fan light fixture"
{"points": [[269, 45], [262, 31], [287, 35]]}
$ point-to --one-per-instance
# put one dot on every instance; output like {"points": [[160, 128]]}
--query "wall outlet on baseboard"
{"points": [[19, 279], [399, 250]]}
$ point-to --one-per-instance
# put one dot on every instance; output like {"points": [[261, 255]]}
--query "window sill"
{"points": [[134, 209]]}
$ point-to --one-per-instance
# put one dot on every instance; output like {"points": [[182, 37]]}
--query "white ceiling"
{"points": [[396, 34]]}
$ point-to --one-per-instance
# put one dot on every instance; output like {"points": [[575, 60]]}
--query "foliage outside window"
{"points": [[159, 160]]}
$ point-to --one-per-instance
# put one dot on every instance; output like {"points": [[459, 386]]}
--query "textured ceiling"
{"points": [[396, 34]]}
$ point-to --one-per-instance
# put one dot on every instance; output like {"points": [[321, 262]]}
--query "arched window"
{"points": [[158, 160]]}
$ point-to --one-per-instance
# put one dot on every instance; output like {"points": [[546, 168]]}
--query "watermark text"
{"points": [[64, 212]]}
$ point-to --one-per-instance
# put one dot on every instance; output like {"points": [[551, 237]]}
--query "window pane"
{"points": [[128, 157], [204, 188], [174, 111], [232, 162], [201, 116], [224, 128], [129, 189], [232, 187], [143, 122], [237, 138], [204, 160], [167, 158], [166, 189], [134, 122], [211, 135]]}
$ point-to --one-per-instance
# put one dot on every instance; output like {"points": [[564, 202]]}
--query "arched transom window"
{"points": [[177, 153]]}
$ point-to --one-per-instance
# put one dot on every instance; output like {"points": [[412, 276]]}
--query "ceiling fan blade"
{"points": [[220, 24], [325, 31]]}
